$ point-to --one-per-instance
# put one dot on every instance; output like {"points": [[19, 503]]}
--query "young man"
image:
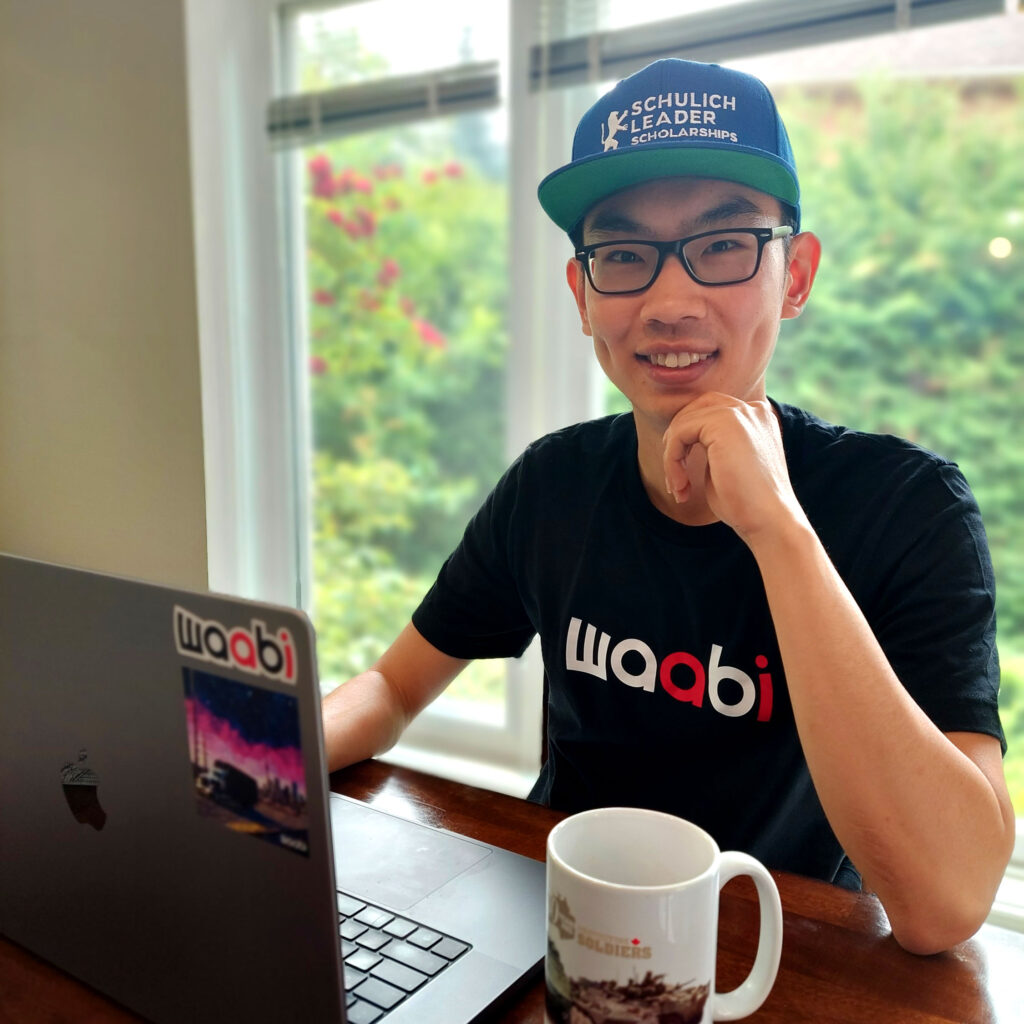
{"points": [[779, 629]]}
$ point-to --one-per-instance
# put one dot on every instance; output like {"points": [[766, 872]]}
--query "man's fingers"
{"points": [[677, 477]]}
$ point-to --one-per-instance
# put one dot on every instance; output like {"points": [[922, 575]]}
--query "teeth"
{"points": [[674, 359]]}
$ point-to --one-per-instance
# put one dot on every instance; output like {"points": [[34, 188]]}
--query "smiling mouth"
{"points": [[675, 359]]}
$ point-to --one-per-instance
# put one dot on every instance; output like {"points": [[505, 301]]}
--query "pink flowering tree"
{"points": [[406, 294]]}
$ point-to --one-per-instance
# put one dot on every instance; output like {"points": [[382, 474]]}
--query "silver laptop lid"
{"points": [[164, 827]]}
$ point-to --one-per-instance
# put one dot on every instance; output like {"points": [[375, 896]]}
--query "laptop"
{"points": [[167, 834]]}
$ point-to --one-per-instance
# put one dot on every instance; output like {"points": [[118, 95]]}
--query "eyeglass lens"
{"points": [[721, 258]]}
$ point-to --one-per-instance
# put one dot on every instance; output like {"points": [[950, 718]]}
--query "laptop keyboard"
{"points": [[387, 957]]}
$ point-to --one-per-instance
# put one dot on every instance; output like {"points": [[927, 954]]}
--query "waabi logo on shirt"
{"points": [[680, 674], [256, 650]]}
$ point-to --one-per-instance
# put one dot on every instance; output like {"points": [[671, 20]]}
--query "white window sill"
{"points": [[458, 769], [1008, 909]]}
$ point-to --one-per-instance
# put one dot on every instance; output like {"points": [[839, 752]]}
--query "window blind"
{"points": [[307, 118], [739, 30]]}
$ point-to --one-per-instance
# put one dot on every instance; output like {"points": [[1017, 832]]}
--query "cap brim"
{"points": [[567, 194]]}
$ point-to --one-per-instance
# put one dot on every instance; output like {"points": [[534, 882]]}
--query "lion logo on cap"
{"points": [[616, 123]]}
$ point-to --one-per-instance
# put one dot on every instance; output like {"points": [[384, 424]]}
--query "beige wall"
{"points": [[101, 452]]}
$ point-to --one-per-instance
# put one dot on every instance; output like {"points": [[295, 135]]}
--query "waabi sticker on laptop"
{"points": [[246, 757]]}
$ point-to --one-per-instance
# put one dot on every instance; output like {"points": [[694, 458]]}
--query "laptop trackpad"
{"points": [[389, 860]]}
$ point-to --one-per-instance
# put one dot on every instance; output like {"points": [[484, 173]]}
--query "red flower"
{"points": [[335, 217], [320, 170], [429, 334], [320, 166], [453, 169], [317, 366], [408, 306], [323, 188], [367, 222], [429, 177], [389, 273], [368, 300], [322, 297]]}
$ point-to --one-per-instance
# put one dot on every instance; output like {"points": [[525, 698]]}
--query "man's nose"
{"points": [[673, 294]]}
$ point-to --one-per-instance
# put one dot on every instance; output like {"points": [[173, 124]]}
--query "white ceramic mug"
{"points": [[633, 921]]}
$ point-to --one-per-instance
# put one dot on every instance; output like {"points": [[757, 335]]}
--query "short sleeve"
{"points": [[935, 616]]}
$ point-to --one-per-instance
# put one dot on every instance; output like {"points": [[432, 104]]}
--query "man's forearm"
{"points": [[367, 715], [362, 718], [930, 833]]}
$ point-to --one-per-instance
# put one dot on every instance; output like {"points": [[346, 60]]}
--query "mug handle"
{"points": [[752, 992]]}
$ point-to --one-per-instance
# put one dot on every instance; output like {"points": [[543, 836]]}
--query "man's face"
{"points": [[721, 338]]}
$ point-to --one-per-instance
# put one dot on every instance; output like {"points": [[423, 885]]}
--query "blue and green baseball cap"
{"points": [[675, 117]]}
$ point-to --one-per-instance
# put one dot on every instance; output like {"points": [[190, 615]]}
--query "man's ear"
{"points": [[804, 255], [577, 279]]}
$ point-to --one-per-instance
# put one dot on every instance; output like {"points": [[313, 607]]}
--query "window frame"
{"points": [[251, 320]]}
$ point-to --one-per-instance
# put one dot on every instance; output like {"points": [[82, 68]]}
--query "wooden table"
{"points": [[839, 965]]}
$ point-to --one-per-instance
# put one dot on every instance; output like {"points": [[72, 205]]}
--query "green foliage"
{"points": [[914, 328], [1011, 709], [407, 346]]}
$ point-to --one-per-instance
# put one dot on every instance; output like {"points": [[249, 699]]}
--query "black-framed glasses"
{"points": [[712, 257]]}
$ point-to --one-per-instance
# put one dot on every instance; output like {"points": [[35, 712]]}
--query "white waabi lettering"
{"points": [[595, 666], [716, 673], [591, 654], [643, 680]]}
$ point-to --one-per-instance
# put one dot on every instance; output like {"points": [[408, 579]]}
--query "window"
{"points": [[913, 252], [406, 262]]}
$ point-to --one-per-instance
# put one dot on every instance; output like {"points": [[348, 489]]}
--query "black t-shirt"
{"points": [[664, 682]]}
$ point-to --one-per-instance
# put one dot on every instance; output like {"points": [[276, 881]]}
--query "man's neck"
{"points": [[695, 510]]}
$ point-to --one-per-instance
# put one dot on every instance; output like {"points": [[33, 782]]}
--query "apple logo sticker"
{"points": [[80, 784]]}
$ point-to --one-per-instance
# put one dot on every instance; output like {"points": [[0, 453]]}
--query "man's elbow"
{"points": [[935, 929]]}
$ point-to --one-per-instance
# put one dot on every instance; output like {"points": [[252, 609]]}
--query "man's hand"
{"points": [[731, 452]]}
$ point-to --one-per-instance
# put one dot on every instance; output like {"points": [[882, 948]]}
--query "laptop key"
{"points": [[380, 993], [449, 948], [398, 974], [373, 939], [373, 917], [363, 1013], [423, 937], [362, 959], [348, 906], [352, 929], [353, 978], [400, 928], [413, 956]]}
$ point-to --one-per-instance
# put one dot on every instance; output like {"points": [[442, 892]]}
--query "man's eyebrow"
{"points": [[616, 223], [730, 209], [610, 222]]}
